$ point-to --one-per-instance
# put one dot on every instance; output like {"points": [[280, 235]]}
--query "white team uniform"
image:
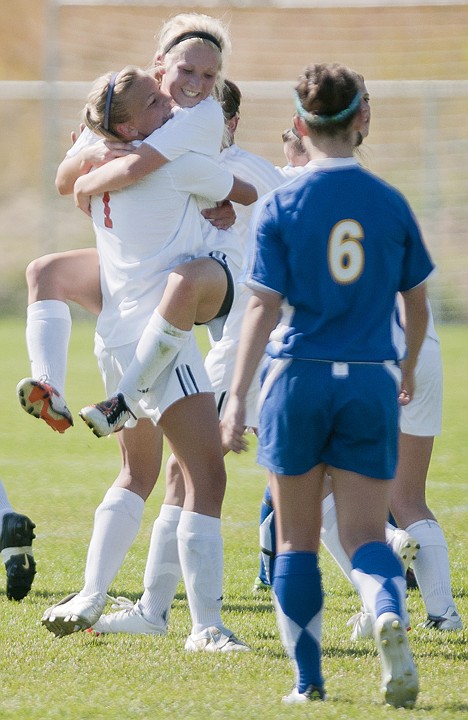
{"points": [[423, 415], [221, 359], [142, 232]]}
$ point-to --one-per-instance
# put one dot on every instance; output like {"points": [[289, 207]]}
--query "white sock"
{"points": [[116, 524], [5, 506], [201, 558], [431, 566], [157, 347], [48, 329], [163, 571], [330, 538]]}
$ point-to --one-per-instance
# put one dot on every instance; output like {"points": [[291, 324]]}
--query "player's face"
{"points": [[149, 107], [189, 76], [365, 111]]}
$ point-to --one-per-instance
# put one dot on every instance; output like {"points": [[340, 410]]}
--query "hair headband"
{"points": [[110, 92], [324, 119], [195, 34]]}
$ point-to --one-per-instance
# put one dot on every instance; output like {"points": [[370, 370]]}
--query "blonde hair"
{"points": [[107, 103], [186, 23]]}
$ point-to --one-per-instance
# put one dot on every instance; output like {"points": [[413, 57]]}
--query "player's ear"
{"points": [[127, 131], [300, 125]]}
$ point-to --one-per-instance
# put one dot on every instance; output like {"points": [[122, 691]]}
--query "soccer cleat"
{"points": [[411, 582], [214, 639], [405, 546], [260, 586], [296, 698], [16, 548], [362, 625], [108, 416], [74, 613], [43, 401], [449, 621], [129, 619], [399, 675]]}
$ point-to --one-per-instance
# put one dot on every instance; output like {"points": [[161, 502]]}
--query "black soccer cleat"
{"points": [[16, 549]]}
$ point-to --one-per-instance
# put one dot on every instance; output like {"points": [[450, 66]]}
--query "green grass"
{"points": [[60, 480]]}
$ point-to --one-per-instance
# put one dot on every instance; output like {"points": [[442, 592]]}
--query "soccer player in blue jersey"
{"points": [[329, 252]]}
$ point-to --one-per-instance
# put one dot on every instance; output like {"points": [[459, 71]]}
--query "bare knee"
{"points": [[43, 281]]}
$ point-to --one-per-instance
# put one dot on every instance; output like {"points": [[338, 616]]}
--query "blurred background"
{"points": [[413, 55]]}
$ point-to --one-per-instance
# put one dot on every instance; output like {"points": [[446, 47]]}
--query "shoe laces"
{"points": [[121, 603]]}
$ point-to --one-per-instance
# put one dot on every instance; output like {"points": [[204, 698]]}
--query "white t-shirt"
{"points": [[145, 230]]}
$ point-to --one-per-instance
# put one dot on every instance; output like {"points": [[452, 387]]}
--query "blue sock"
{"points": [[378, 576], [298, 602], [267, 538]]}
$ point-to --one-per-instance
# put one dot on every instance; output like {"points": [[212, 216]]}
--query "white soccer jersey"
{"points": [[255, 170], [145, 230], [196, 129]]}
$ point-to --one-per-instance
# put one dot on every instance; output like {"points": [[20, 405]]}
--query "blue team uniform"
{"points": [[337, 244]]}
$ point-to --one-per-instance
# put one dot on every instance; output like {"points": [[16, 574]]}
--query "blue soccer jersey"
{"points": [[337, 243]]}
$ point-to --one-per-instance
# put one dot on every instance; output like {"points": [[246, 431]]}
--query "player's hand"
{"points": [[82, 198], [104, 151], [222, 216], [74, 136], [407, 385], [232, 426]]}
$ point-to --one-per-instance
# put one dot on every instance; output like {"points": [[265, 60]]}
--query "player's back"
{"points": [[343, 243]]}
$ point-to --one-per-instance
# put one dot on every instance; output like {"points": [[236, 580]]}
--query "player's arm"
{"points": [[261, 316], [416, 318], [242, 192], [91, 156]]}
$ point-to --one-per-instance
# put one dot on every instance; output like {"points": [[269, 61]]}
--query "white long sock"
{"points": [[431, 566], [116, 524], [330, 538], [157, 347], [201, 558], [5, 506], [48, 329], [163, 571]]}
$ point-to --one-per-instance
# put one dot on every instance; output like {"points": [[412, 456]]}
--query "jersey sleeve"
{"points": [[86, 138], [417, 263], [200, 175], [199, 129]]}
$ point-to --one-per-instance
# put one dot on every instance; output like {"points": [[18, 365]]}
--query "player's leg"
{"points": [[431, 566], [150, 614], [195, 293], [16, 536], [116, 524], [191, 428], [296, 581], [421, 420], [378, 577], [52, 281], [267, 536]]}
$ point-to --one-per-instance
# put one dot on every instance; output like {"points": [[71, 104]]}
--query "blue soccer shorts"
{"points": [[342, 414]]}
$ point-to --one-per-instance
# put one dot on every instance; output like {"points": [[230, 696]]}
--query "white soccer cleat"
{"points": [[399, 675], [362, 625], [108, 416], [74, 613], [405, 546], [450, 620], [129, 619], [40, 399], [310, 695], [214, 639]]}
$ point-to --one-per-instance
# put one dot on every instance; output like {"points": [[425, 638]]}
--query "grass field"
{"points": [[59, 480]]}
